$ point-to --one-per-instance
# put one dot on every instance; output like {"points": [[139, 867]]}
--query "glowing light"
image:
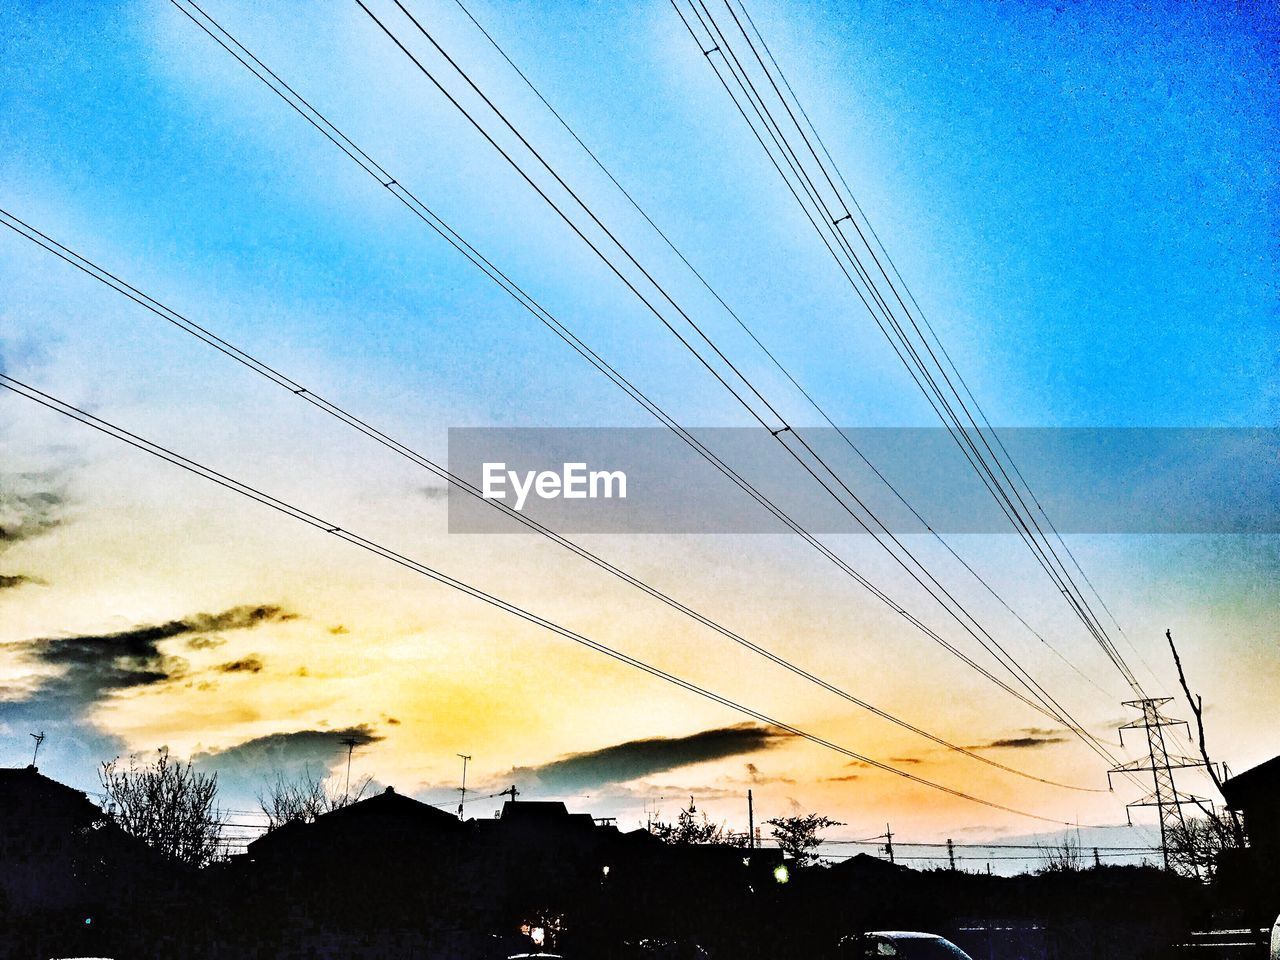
{"points": [[781, 873], [538, 935]]}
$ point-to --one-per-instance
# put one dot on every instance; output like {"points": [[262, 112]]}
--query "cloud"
{"points": [[1018, 743], [250, 664], [845, 779], [906, 760], [68, 676], [88, 668], [640, 758], [244, 768], [27, 511], [10, 581], [285, 749], [754, 776]]}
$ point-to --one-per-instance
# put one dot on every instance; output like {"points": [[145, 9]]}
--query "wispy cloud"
{"points": [[1028, 738], [250, 664], [28, 508]]}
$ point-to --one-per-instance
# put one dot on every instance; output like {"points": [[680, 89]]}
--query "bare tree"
{"points": [[798, 836], [304, 799], [167, 805], [1203, 839], [690, 829]]}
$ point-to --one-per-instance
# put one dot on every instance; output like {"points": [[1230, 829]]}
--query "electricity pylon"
{"points": [[1166, 797]]}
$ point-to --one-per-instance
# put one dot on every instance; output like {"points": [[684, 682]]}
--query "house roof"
{"points": [[865, 865], [391, 804], [28, 785], [543, 813], [1253, 785], [390, 816]]}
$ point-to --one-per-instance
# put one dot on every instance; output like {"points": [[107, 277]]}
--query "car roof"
{"points": [[904, 935]]}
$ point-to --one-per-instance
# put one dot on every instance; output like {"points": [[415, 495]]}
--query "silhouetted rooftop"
{"points": [[1258, 783], [391, 804], [29, 786]]}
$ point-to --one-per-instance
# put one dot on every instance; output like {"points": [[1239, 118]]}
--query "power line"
{"points": [[296, 513], [916, 569], [1045, 552], [983, 846], [770, 354], [986, 640], [204, 334], [359, 156], [933, 392]]}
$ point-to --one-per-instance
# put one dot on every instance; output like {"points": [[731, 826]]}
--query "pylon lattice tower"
{"points": [[1160, 763]]}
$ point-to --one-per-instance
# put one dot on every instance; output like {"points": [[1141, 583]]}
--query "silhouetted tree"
{"points": [[167, 805], [1202, 840], [798, 836], [689, 829], [305, 798]]}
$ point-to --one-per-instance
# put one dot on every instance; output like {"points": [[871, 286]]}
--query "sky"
{"points": [[1082, 197]]}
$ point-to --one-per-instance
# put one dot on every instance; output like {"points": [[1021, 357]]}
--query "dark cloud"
{"points": [[906, 760], [845, 779], [1019, 743], [94, 666], [244, 768], [69, 675], [204, 643], [250, 664], [338, 630], [640, 758], [280, 750], [9, 581]]}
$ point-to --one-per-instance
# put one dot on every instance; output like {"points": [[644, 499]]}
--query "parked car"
{"points": [[902, 944]]}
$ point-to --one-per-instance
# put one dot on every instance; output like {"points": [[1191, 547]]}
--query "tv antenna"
{"points": [[39, 739], [462, 802], [350, 743]]}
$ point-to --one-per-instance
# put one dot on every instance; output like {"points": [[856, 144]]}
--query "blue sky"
{"points": [[1082, 197]]}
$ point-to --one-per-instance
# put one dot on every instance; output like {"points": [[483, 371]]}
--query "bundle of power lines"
{"points": [[751, 77]]}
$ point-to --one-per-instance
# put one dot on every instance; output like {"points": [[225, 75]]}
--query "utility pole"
{"points": [[510, 791], [1097, 859], [39, 739], [951, 853], [888, 846], [751, 821], [350, 743], [462, 802], [1166, 797]]}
